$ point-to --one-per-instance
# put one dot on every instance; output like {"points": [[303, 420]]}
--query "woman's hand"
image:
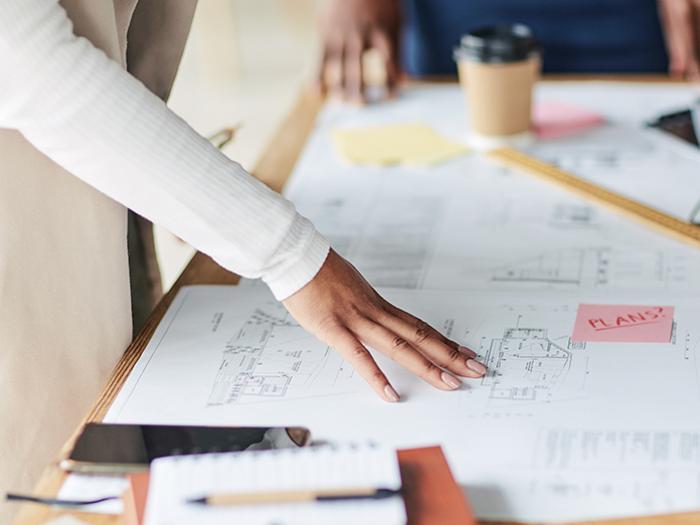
{"points": [[341, 309], [348, 29], [681, 20]]}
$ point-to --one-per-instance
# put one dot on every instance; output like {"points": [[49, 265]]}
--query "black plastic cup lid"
{"points": [[498, 44]]}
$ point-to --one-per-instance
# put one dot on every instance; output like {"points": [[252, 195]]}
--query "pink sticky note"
{"points": [[623, 323], [554, 119]]}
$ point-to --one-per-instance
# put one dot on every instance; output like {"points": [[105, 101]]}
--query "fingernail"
{"points": [[450, 380], [391, 394], [476, 366], [468, 351]]}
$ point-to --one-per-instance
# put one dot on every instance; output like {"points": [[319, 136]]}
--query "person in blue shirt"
{"points": [[578, 36]]}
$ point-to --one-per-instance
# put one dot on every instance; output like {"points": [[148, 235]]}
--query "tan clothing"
{"points": [[64, 283]]}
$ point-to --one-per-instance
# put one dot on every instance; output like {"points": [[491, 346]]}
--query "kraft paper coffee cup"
{"points": [[498, 67]]}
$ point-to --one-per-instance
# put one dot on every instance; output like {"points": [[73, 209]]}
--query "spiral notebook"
{"points": [[175, 480]]}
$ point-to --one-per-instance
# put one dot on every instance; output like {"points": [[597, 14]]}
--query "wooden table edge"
{"points": [[274, 167]]}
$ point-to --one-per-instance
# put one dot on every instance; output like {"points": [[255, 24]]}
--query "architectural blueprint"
{"points": [[562, 419], [269, 358], [526, 365], [478, 225]]}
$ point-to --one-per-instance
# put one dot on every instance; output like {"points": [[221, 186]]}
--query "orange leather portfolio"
{"points": [[431, 494]]}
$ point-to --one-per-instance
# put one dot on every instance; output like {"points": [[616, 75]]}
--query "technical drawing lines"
{"points": [[596, 267], [552, 268], [240, 371], [272, 358], [525, 365]]}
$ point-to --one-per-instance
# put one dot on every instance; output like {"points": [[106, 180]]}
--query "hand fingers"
{"points": [[321, 81], [352, 68], [388, 48], [360, 359], [341, 66], [331, 72], [677, 19], [693, 71], [438, 348], [401, 351]]}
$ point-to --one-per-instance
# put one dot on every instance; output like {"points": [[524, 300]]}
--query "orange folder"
{"points": [[431, 494]]}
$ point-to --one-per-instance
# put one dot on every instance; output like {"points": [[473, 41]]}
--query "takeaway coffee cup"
{"points": [[498, 67]]}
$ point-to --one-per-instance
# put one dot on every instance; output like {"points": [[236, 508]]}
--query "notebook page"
{"points": [[175, 480]]}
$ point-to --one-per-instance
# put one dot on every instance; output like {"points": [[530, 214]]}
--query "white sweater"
{"points": [[88, 115]]}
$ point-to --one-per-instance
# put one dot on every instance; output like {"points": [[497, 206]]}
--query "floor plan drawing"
{"points": [[242, 372], [270, 357], [525, 365]]}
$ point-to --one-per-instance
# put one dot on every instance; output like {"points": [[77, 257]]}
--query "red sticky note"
{"points": [[623, 323], [554, 119]]}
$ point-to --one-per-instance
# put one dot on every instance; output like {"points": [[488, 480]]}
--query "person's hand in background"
{"points": [[348, 29], [681, 22], [343, 310]]}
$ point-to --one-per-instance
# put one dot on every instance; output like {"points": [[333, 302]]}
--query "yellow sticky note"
{"points": [[410, 143]]}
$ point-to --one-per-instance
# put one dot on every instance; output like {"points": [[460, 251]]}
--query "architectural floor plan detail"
{"points": [[271, 357], [525, 365]]}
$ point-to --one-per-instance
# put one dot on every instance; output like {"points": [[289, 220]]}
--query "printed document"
{"points": [[554, 431], [473, 224]]}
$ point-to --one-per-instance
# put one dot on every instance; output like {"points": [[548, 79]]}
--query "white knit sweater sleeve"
{"points": [[91, 117]]}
